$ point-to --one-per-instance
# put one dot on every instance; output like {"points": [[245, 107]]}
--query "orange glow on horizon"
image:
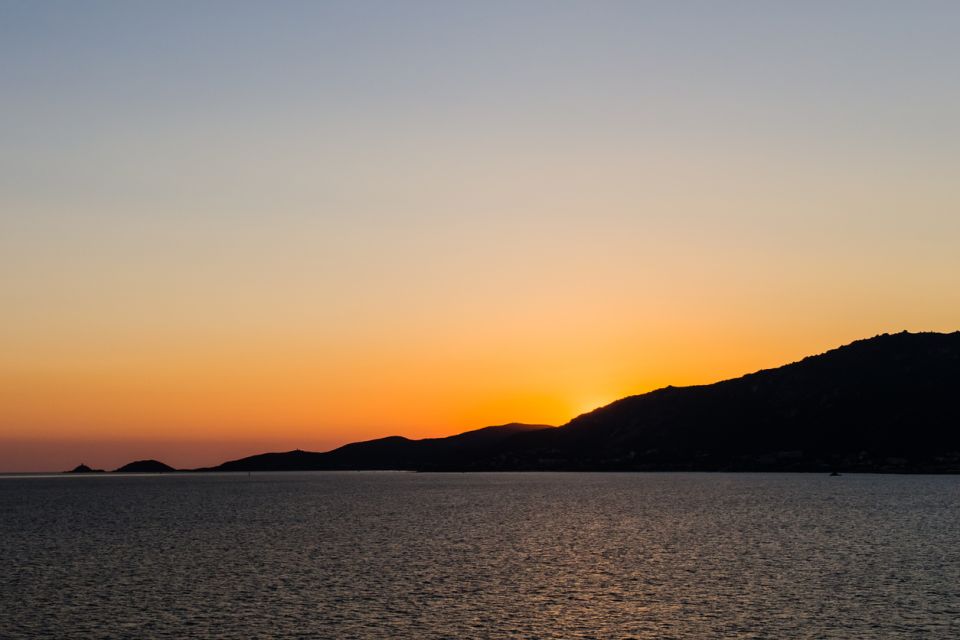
{"points": [[342, 227], [203, 411]]}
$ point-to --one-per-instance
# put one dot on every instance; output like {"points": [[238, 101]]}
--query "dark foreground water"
{"points": [[400, 555]]}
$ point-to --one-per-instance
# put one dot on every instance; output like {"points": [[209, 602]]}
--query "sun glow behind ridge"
{"points": [[300, 226]]}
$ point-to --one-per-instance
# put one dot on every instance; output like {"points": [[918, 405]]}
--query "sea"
{"points": [[480, 555]]}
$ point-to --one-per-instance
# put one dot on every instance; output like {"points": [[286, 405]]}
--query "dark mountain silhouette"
{"points": [[82, 468], [394, 452], [145, 466], [889, 403], [886, 404]]}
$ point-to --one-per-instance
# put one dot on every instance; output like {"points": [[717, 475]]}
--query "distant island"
{"points": [[82, 468], [145, 466], [140, 466], [887, 404]]}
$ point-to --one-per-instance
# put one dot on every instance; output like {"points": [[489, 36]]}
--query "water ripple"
{"points": [[398, 555]]}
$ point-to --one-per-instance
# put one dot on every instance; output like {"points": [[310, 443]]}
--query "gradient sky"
{"points": [[234, 227]]}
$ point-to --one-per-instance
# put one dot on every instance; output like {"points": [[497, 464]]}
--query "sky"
{"points": [[234, 227]]}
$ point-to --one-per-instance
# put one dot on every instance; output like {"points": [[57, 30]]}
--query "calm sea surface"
{"points": [[536, 555]]}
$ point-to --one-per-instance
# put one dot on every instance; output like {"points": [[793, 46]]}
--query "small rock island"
{"points": [[82, 468]]}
